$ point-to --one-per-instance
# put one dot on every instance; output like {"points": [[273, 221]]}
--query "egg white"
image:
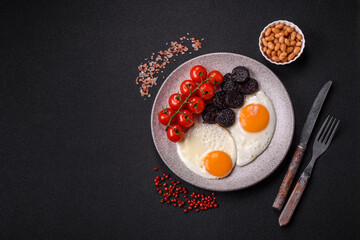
{"points": [[201, 139], [250, 145]]}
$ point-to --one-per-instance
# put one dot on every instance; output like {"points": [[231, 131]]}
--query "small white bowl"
{"points": [[297, 29]]}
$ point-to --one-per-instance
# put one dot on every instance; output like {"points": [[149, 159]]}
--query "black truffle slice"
{"points": [[240, 74], [249, 87], [210, 113], [226, 117], [219, 99], [234, 99]]}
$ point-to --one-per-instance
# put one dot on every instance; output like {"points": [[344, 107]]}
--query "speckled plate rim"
{"points": [[232, 182]]}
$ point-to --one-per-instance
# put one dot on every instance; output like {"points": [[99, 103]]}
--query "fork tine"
{"points": [[326, 129], [321, 129], [326, 137], [332, 133]]}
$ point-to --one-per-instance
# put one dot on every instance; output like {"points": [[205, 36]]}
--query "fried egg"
{"points": [[254, 127], [208, 150]]}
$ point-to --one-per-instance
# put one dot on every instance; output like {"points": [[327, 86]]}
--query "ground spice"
{"points": [[178, 196], [149, 71]]}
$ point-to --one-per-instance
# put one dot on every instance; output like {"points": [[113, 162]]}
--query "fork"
{"points": [[321, 143]]}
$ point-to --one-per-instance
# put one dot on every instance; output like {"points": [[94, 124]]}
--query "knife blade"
{"points": [[313, 115], [300, 149]]}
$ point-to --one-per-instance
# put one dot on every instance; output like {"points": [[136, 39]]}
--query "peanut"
{"points": [[279, 26], [275, 30], [283, 55], [268, 52], [297, 50], [269, 38], [280, 34], [287, 42], [267, 32], [291, 56], [271, 45], [299, 36], [289, 49], [264, 42], [293, 43], [275, 58], [283, 47], [298, 44], [281, 40], [293, 36], [277, 46], [290, 29], [273, 53]]}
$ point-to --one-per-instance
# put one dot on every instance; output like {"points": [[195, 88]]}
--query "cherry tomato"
{"points": [[216, 78], [206, 91], [176, 100], [187, 87], [196, 105], [165, 115], [185, 118], [175, 133], [198, 73]]}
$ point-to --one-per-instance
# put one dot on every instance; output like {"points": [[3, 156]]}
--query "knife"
{"points": [[300, 149]]}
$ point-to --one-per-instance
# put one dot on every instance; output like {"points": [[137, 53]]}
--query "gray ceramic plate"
{"points": [[261, 167]]}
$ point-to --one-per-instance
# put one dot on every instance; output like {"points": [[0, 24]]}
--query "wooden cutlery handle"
{"points": [[289, 177], [294, 199]]}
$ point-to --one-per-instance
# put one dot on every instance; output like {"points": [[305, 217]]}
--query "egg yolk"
{"points": [[218, 163], [254, 117]]}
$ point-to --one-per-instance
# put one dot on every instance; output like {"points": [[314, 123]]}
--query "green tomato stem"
{"points": [[186, 101]]}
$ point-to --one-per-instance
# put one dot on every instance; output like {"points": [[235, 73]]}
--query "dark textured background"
{"points": [[76, 148]]}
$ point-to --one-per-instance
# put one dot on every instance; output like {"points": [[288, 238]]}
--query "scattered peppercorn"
{"points": [[170, 194]]}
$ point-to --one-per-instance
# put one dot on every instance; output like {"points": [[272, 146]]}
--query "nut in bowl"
{"points": [[281, 42]]}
